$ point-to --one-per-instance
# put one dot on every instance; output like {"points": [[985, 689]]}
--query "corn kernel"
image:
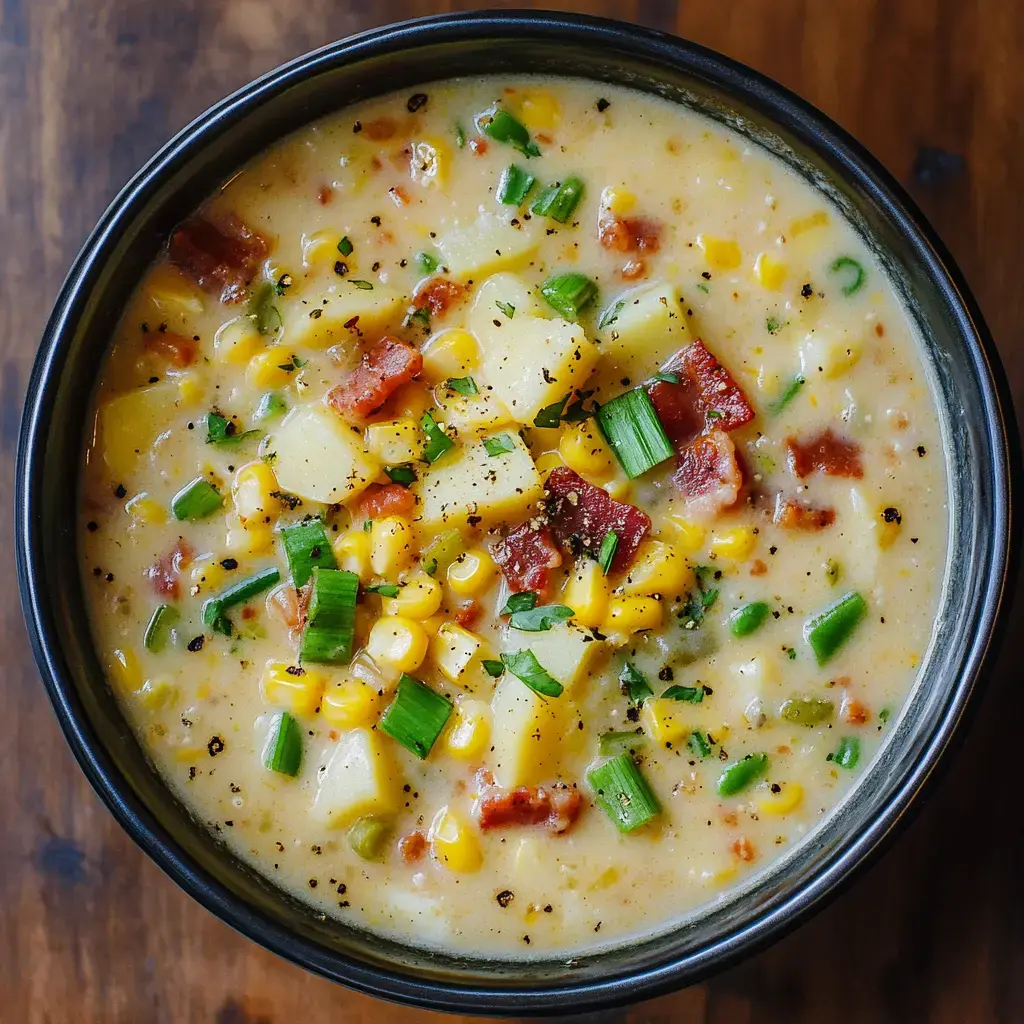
{"points": [[690, 536], [618, 201], [391, 546], [888, 526], [471, 573], [394, 442], [736, 544], [454, 843], [454, 650], [547, 462], [429, 161], [770, 273], [451, 353], [144, 510], [207, 573], [173, 293], [352, 552], [585, 451], [157, 693], [397, 643], [620, 488], [658, 569], [124, 670], [804, 224], [294, 689], [433, 624], [320, 248], [587, 593], [271, 368], [411, 401], [628, 615], [539, 110], [664, 720], [780, 803], [251, 491], [419, 598], [831, 354], [720, 253], [250, 538], [349, 703], [190, 389], [470, 729], [237, 341]]}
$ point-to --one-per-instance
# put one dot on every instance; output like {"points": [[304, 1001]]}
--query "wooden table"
{"points": [[90, 930]]}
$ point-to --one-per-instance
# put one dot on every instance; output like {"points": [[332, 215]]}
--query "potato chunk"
{"points": [[130, 423], [566, 651], [319, 457], [319, 321], [361, 778], [490, 243], [527, 734], [514, 294], [649, 327]]}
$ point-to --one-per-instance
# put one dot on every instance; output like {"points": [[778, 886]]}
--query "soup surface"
{"points": [[515, 513]]}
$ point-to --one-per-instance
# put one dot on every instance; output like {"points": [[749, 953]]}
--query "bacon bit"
{"points": [[631, 234], [632, 269], [398, 195], [437, 295], [757, 567], [709, 473], [380, 129], [385, 368], [827, 453], [743, 848], [468, 615], [784, 748], [325, 195], [556, 807], [248, 612], [526, 557], [334, 735], [379, 501], [879, 330], [283, 605], [412, 847], [165, 574], [478, 146], [580, 513], [731, 819], [854, 712], [175, 349], [225, 255], [795, 515], [544, 139]]}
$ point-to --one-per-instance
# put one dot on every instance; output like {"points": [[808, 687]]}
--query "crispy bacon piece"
{"points": [[468, 615], [224, 255], [826, 453], [709, 473], [478, 146], [379, 501], [854, 712], [437, 295], [385, 368], [630, 234], [555, 807], [743, 849], [526, 557], [412, 847], [165, 574], [795, 515], [173, 349], [580, 515]]}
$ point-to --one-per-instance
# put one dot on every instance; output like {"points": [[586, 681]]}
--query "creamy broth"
{"points": [[697, 650]]}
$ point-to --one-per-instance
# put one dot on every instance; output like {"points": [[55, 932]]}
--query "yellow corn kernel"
{"points": [[787, 800], [125, 673], [618, 201], [207, 573], [628, 615], [471, 573], [539, 110], [391, 546], [620, 488], [889, 523], [190, 389], [189, 752], [173, 293], [157, 693], [736, 544], [723, 876], [770, 273], [831, 355], [547, 462], [587, 593], [453, 651], [145, 510], [349, 704], [352, 552], [411, 401], [690, 536], [470, 730], [429, 161], [321, 247], [804, 224], [585, 451], [419, 598], [664, 721], [397, 643], [451, 353], [433, 624], [295, 689], [453, 842], [250, 538], [269, 369], [720, 253], [237, 341], [394, 442], [252, 491], [658, 569]]}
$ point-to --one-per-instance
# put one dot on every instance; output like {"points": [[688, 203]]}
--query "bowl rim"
{"points": [[787, 110]]}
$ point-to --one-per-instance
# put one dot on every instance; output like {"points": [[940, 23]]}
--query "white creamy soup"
{"points": [[515, 513]]}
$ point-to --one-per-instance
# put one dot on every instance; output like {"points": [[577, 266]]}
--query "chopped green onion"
{"points": [[740, 774], [306, 546], [463, 385], [787, 396], [524, 665], [438, 442], [606, 555], [416, 716], [748, 619], [569, 294], [460, 136], [271, 406], [771, 324], [196, 500], [367, 525], [541, 618], [385, 589], [244, 590], [505, 308], [419, 317], [611, 743], [521, 602], [404, 475], [430, 566], [550, 415], [559, 201], [155, 638], [673, 378], [345, 247], [856, 282], [264, 313], [515, 185], [330, 623], [699, 745], [883, 715], [427, 262], [499, 444], [501, 126], [807, 711], [363, 286], [827, 631], [367, 837], [847, 753], [633, 431], [635, 683], [703, 287], [623, 793], [495, 669], [689, 694], [611, 314], [223, 432], [283, 750], [444, 549]]}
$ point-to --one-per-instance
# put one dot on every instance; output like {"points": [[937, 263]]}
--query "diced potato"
{"points": [[457, 653], [587, 593], [394, 442], [469, 482], [566, 651], [649, 328], [527, 734], [172, 293], [319, 322], [829, 352], [361, 778], [453, 352], [490, 243], [513, 293], [473, 416], [319, 457], [130, 423]]}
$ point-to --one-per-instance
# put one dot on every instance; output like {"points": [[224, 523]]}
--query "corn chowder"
{"points": [[515, 513]]}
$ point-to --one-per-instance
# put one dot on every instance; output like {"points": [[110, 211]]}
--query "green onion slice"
{"points": [[499, 444], [787, 396], [345, 247], [463, 385], [438, 442], [155, 638], [569, 294], [807, 711], [634, 682], [623, 793], [606, 555], [515, 185], [196, 500], [460, 136], [611, 743], [306, 546], [827, 631], [404, 475], [699, 745], [611, 314], [740, 774], [270, 407], [214, 608], [283, 750], [264, 313], [501, 126], [495, 669], [505, 308], [689, 694], [748, 619], [521, 602], [541, 618], [847, 754], [368, 836], [223, 432], [385, 589], [444, 549], [853, 271], [330, 623], [524, 665], [633, 431], [427, 262], [559, 201], [416, 716], [550, 415]]}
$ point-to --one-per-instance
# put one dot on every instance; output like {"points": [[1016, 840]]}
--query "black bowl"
{"points": [[961, 362]]}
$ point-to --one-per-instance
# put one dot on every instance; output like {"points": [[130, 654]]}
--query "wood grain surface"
{"points": [[90, 930]]}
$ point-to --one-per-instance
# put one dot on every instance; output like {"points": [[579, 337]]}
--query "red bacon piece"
{"points": [[437, 295], [555, 807], [795, 515], [580, 513], [709, 473], [825, 453], [386, 500], [412, 847], [165, 574], [385, 368], [468, 615], [174, 349], [526, 557], [224, 255], [631, 234]]}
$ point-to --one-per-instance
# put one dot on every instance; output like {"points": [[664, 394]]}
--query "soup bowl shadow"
{"points": [[966, 379]]}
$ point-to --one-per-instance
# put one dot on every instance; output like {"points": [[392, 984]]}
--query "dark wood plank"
{"points": [[89, 929]]}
